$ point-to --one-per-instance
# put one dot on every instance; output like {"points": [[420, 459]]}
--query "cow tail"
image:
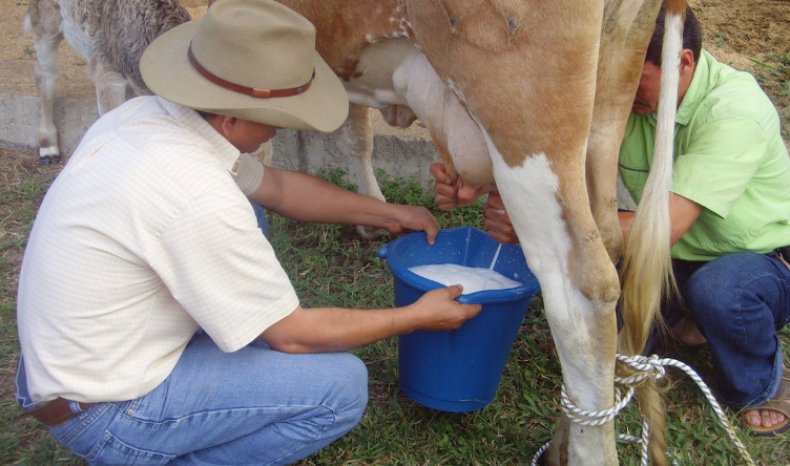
{"points": [[647, 266]]}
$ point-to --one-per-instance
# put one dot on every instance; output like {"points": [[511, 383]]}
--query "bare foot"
{"points": [[766, 418], [686, 332]]}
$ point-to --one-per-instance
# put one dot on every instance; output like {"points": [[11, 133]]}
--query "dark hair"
{"points": [[206, 115], [692, 36]]}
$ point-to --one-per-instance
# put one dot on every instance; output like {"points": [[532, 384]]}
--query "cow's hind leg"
{"points": [[44, 21], [629, 26]]}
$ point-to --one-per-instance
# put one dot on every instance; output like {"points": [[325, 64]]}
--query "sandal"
{"points": [[780, 404]]}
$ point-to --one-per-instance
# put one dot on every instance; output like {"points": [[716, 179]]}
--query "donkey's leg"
{"points": [[44, 22], [112, 88]]}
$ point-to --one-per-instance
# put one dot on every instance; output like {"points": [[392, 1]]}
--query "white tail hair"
{"points": [[647, 266]]}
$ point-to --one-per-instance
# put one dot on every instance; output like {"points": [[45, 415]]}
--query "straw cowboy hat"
{"points": [[250, 59]]}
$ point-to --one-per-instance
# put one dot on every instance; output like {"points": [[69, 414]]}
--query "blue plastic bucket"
{"points": [[458, 370]]}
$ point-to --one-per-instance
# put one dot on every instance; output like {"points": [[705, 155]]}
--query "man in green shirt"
{"points": [[730, 216]]}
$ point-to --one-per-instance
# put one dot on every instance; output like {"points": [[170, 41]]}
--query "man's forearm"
{"points": [[311, 199]]}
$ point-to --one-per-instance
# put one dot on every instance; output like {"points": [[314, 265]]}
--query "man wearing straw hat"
{"points": [[155, 321]]}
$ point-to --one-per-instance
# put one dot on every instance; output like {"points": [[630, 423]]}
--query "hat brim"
{"points": [[167, 72]]}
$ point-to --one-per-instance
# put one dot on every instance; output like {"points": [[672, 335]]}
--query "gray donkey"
{"points": [[110, 35]]}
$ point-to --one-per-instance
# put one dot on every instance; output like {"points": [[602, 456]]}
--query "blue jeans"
{"points": [[255, 406], [260, 215], [738, 302]]}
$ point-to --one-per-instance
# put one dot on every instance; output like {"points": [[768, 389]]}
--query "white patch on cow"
{"points": [[405, 26], [394, 72], [441, 111], [456, 89], [372, 85], [530, 195], [49, 152], [375, 98]]}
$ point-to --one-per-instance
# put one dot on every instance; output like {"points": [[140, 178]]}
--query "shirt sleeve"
{"points": [[220, 268], [719, 162], [248, 173]]}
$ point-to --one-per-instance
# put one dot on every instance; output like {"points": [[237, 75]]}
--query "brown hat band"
{"points": [[250, 91]]}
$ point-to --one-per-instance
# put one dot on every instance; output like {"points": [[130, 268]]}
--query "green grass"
{"points": [[330, 264]]}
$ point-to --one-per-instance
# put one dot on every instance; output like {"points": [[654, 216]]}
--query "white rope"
{"points": [[594, 418], [539, 453], [645, 442], [645, 367]]}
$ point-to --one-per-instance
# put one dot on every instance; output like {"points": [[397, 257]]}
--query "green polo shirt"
{"points": [[729, 158]]}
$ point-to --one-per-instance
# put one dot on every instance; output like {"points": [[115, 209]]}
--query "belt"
{"points": [[56, 412], [784, 255]]}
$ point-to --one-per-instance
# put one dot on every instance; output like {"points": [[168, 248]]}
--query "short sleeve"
{"points": [[223, 271], [247, 173], [719, 163]]}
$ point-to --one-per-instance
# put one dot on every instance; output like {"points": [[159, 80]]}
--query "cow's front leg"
{"points": [[355, 138], [549, 209]]}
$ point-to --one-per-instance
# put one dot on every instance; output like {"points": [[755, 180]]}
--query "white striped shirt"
{"points": [[142, 238]]}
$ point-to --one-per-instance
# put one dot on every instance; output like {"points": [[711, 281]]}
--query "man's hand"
{"points": [[412, 218], [497, 221], [451, 193], [438, 311]]}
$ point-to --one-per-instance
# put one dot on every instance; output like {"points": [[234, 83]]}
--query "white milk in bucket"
{"points": [[473, 279]]}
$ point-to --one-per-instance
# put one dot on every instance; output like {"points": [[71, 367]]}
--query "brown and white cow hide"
{"points": [[549, 86]]}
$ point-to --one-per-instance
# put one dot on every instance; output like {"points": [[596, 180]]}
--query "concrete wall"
{"points": [[407, 155]]}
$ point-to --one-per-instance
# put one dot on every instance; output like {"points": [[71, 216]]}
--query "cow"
{"points": [[110, 35], [547, 87]]}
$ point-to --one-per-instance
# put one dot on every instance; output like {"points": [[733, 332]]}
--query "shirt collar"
{"points": [[216, 144], [696, 91]]}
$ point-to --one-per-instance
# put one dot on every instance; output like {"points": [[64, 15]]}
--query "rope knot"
{"points": [[645, 367]]}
